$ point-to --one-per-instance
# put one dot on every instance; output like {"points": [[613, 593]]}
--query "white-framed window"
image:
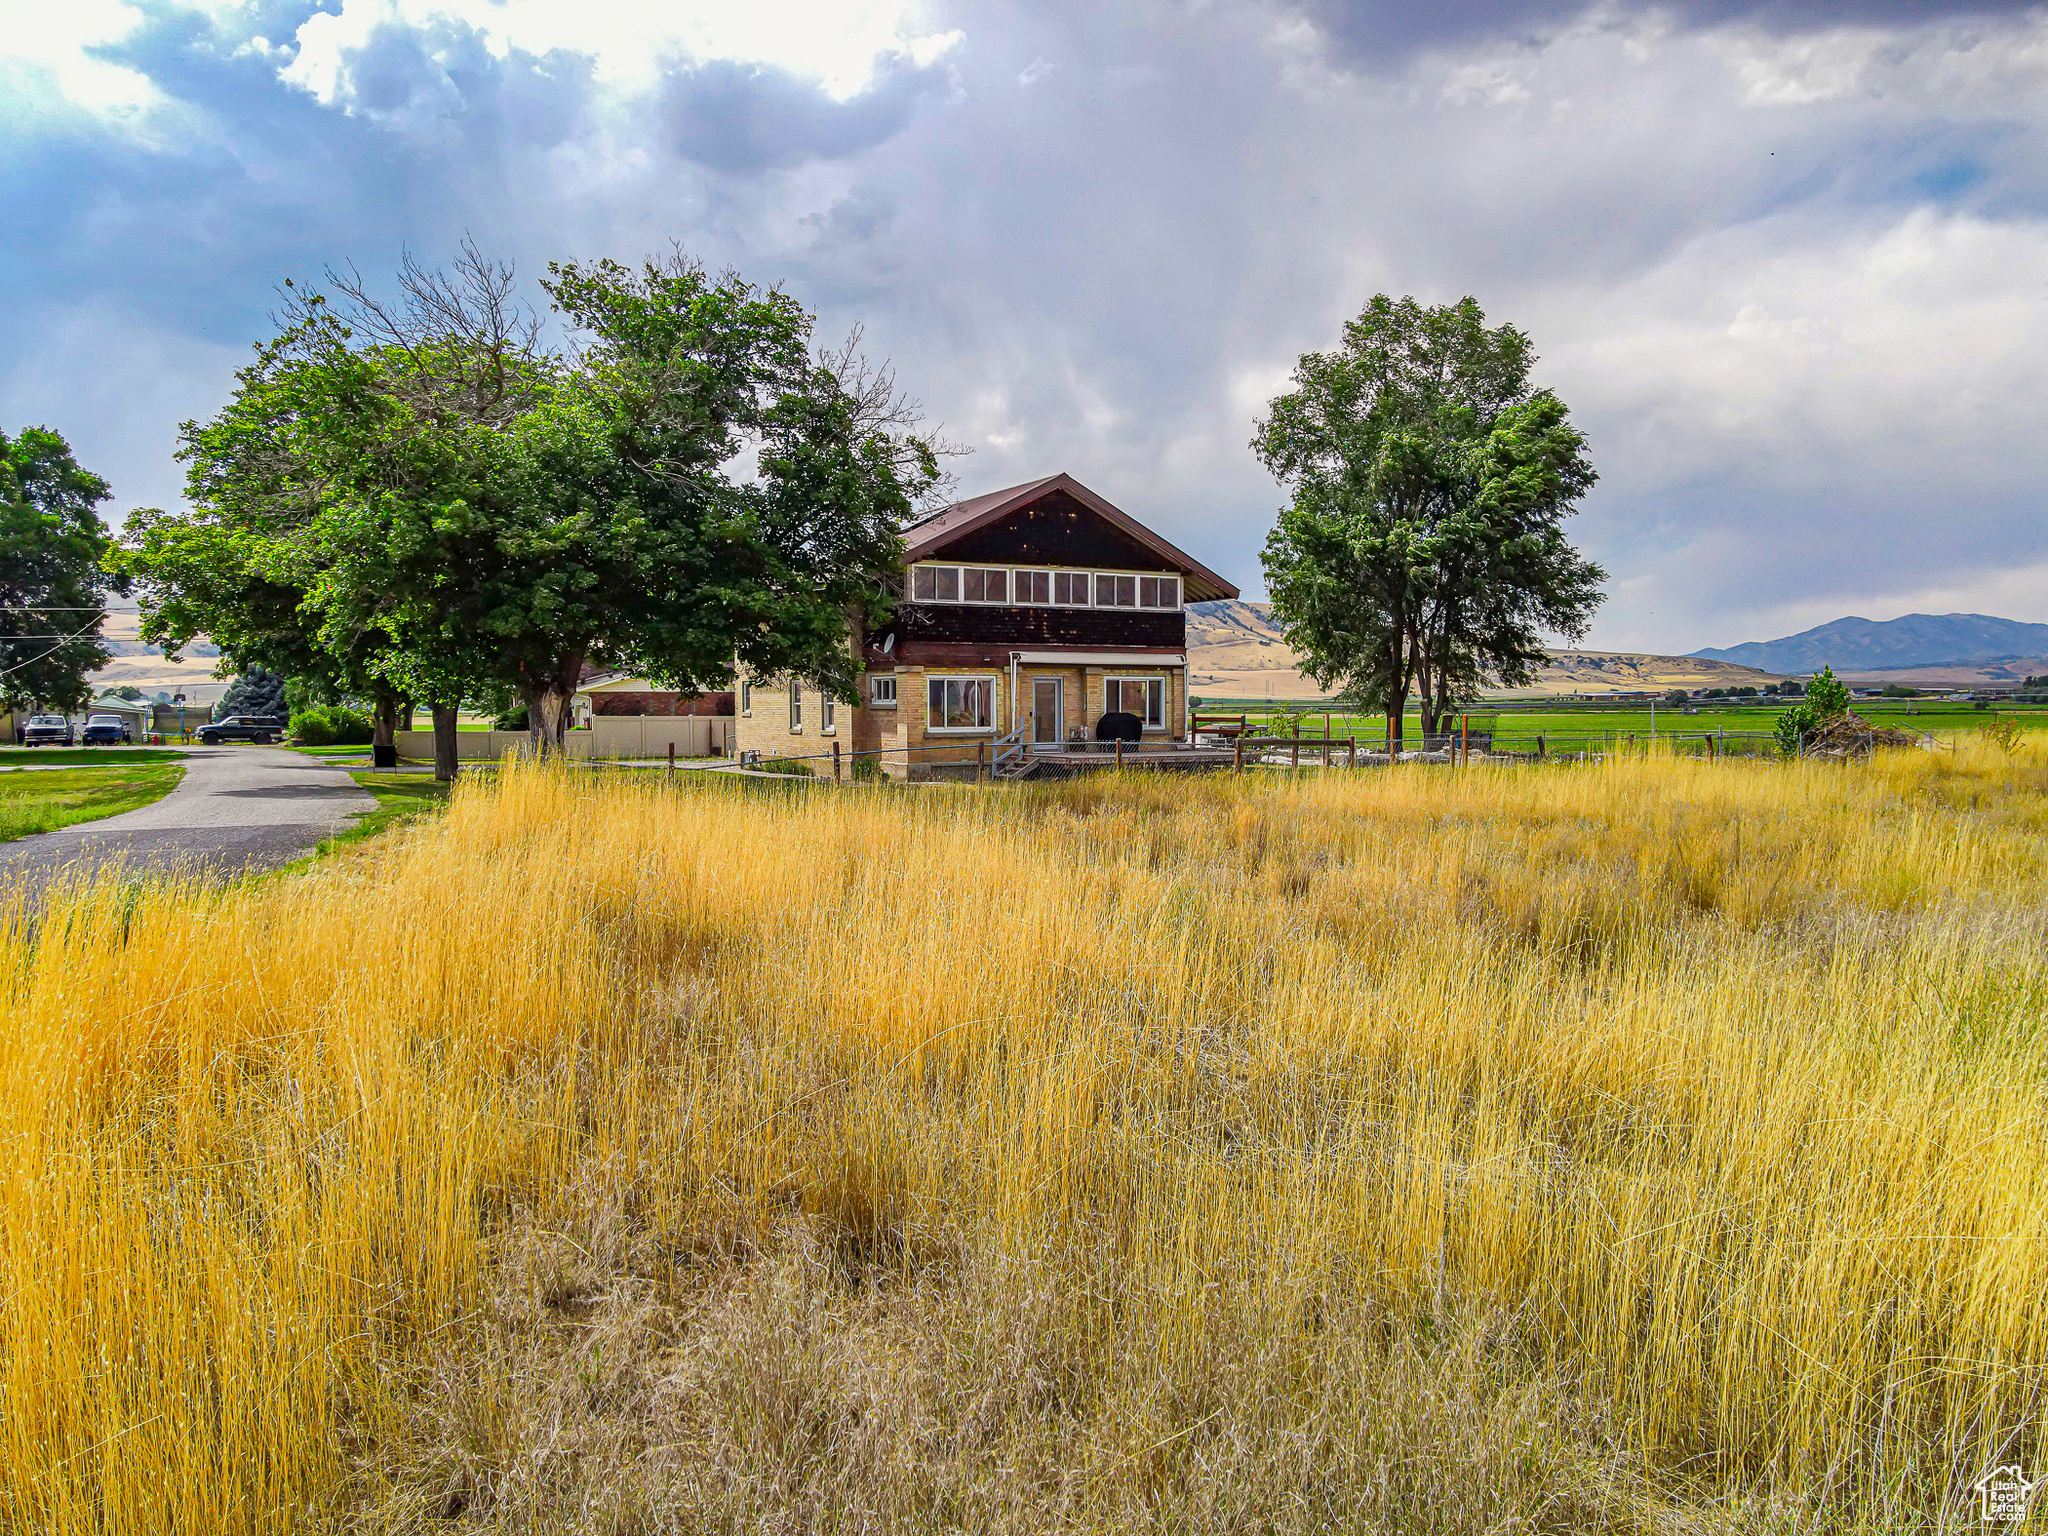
{"points": [[935, 583], [828, 714], [882, 692], [796, 705], [1158, 591], [1060, 589], [1070, 588], [960, 703], [1116, 591], [746, 698], [1144, 697]]}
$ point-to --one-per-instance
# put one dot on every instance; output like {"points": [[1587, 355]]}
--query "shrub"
{"points": [[336, 726], [1826, 699], [1677, 696], [512, 718], [2003, 731], [789, 765]]}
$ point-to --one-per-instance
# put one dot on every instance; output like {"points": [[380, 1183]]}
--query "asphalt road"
{"points": [[236, 809]]}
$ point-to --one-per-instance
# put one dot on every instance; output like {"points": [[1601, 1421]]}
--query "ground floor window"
{"points": [[828, 712], [796, 705], [1144, 697], [746, 698], [960, 703]]}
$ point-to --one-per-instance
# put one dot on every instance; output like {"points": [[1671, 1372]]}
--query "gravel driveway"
{"points": [[236, 809]]}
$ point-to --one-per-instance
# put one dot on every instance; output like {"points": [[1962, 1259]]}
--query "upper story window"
{"points": [[1116, 591], [1070, 588], [1058, 589], [882, 692]]}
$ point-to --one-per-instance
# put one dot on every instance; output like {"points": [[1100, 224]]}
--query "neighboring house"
{"points": [[1034, 609], [618, 693]]}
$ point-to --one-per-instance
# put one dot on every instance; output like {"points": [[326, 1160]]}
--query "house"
{"points": [[1025, 613], [620, 693]]}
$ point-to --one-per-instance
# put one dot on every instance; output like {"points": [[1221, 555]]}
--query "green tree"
{"points": [[1422, 549], [1827, 699], [258, 691], [600, 525], [52, 587]]}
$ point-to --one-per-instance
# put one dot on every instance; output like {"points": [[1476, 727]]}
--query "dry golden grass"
{"points": [[1654, 1146]]}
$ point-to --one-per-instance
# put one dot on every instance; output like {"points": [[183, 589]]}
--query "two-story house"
{"points": [[1033, 609]]}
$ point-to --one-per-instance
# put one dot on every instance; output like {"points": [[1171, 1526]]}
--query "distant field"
{"points": [[1518, 728]]}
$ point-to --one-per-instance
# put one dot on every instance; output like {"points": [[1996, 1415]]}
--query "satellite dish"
{"points": [[889, 644]]}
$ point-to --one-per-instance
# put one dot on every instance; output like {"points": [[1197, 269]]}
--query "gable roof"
{"points": [[930, 535]]}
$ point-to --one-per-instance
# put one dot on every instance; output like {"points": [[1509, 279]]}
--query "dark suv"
{"points": [[104, 731], [262, 730]]}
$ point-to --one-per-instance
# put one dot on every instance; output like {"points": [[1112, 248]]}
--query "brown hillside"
{"points": [[1235, 650]]}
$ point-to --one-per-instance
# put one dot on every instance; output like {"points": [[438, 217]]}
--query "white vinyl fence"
{"points": [[608, 736]]}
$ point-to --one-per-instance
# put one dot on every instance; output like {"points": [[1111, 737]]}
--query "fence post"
{"points": [[1237, 742], [1296, 749], [1119, 751], [1351, 759], [671, 762], [1539, 749], [977, 759], [835, 761], [1465, 740], [1326, 742]]}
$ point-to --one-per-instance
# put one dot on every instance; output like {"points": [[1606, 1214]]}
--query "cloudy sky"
{"points": [[1787, 262]]}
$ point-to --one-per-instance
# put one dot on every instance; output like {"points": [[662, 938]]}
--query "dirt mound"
{"points": [[1852, 736]]}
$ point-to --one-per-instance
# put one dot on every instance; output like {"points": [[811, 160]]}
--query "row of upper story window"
{"points": [[1010, 584]]}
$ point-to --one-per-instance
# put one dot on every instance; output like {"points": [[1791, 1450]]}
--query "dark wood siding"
{"points": [[1030, 628], [1057, 530]]}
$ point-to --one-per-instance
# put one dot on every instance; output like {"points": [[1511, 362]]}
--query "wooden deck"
{"points": [[1092, 757]]}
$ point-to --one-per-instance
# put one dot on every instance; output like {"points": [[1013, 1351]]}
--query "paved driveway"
{"points": [[236, 809]]}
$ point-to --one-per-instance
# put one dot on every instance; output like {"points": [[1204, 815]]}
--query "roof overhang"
{"points": [[922, 541]]}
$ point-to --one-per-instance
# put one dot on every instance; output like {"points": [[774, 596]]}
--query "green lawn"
{"points": [[43, 802], [1572, 728], [400, 797], [43, 757]]}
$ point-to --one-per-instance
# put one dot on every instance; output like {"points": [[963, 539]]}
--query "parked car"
{"points": [[104, 731], [259, 729], [46, 731]]}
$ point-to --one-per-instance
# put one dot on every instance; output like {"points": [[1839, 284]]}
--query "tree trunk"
{"points": [[547, 696], [444, 743], [405, 709], [383, 720]]}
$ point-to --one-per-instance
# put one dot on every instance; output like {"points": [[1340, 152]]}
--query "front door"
{"points": [[1048, 711]]}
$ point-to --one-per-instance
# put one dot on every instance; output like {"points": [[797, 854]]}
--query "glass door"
{"points": [[1048, 712]]}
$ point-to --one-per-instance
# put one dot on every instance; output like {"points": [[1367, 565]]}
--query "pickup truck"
{"points": [[104, 731], [46, 731], [262, 730]]}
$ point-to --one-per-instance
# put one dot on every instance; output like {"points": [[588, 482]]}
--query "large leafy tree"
{"points": [[422, 492], [1422, 549], [602, 525], [52, 587]]}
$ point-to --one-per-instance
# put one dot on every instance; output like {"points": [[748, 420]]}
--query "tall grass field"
{"points": [[1645, 1146]]}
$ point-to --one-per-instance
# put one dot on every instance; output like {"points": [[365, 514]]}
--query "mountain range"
{"points": [[1855, 645]]}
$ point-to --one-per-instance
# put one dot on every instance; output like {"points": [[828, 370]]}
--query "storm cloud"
{"points": [[1787, 263]]}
